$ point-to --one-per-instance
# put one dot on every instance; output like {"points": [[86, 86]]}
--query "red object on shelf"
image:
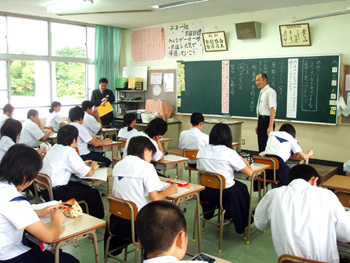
{"points": [[180, 183]]}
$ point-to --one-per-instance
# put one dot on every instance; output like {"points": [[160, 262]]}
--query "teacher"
{"points": [[265, 109], [100, 96]]}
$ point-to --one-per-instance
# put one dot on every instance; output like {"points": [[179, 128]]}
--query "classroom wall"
{"points": [[328, 36]]}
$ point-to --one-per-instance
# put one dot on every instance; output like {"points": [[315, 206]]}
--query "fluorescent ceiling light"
{"points": [[67, 5], [178, 3]]}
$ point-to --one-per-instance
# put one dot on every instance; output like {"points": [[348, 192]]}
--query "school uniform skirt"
{"points": [[281, 173], [235, 201]]}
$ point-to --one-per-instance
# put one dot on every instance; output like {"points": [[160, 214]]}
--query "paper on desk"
{"points": [[99, 174], [181, 190], [47, 219], [174, 158]]}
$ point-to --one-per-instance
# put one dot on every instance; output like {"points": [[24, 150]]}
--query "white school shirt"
{"points": [[91, 124], [54, 120], [15, 216], [347, 166], [30, 133], [83, 138], [5, 144], [305, 221], [134, 179], [220, 159], [125, 134], [60, 162], [156, 157], [3, 118], [267, 100], [167, 259], [194, 139], [281, 143]]}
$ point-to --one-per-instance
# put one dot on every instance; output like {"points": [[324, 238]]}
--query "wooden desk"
{"points": [[338, 182], [113, 146], [172, 162], [218, 260], [110, 132], [82, 227], [164, 141]]}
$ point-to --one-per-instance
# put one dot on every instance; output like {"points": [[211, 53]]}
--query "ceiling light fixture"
{"points": [[347, 11], [67, 5], [177, 4]]}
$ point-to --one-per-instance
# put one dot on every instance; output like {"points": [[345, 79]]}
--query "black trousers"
{"points": [[263, 124], [94, 156]]}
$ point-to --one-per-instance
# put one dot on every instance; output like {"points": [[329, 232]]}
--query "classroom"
{"points": [[329, 35]]}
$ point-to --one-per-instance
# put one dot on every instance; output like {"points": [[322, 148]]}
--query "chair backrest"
{"points": [[44, 182], [190, 153], [271, 161], [212, 180], [344, 197], [123, 144], [286, 258]]}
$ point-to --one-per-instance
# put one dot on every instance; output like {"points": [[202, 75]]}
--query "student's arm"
{"points": [[94, 166], [157, 139], [97, 116], [305, 156], [97, 143], [248, 169], [261, 217], [47, 135], [161, 195], [272, 120]]}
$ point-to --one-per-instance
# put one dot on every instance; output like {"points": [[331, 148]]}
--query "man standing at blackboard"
{"points": [[265, 109]]}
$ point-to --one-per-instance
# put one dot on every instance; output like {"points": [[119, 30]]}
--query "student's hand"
{"points": [[173, 189], [157, 138], [269, 129], [256, 129], [107, 141], [94, 165], [57, 216], [310, 152], [95, 113], [46, 211], [96, 137]]}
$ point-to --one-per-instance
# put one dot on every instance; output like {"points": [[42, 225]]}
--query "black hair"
{"points": [[156, 127], [67, 134], [54, 105], [263, 75], [102, 80], [139, 144], [76, 114], [8, 108], [11, 128], [157, 225], [221, 134], [128, 119], [87, 104], [196, 118], [20, 164], [288, 128], [32, 112], [303, 171]]}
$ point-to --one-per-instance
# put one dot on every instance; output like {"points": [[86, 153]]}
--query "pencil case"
{"points": [[180, 183]]}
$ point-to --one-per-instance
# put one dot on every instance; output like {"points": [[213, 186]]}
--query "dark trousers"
{"points": [[94, 156], [263, 124], [107, 119]]}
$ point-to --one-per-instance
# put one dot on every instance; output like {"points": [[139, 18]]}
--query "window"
{"points": [[3, 45], [3, 84]]}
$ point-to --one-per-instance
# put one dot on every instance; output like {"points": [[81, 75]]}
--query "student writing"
{"points": [[10, 132]]}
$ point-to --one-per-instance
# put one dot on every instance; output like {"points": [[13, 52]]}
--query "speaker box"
{"points": [[248, 30]]}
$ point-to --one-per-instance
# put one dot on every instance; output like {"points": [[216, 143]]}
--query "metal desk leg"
{"points": [[93, 234]]}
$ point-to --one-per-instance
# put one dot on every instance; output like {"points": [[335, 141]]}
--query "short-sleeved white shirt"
{"points": [[91, 124], [3, 118], [125, 134], [194, 139], [168, 259], [54, 120], [30, 133], [134, 179], [268, 100], [15, 216], [281, 143], [5, 144], [220, 159], [60, 162], [83, 139]]}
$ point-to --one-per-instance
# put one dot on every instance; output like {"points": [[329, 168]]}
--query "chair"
{"points": [[344, 197], [125, 210], [192, 155], [215, 181], [285, 258]]}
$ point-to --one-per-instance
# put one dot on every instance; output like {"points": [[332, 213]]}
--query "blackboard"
{"points": [[307, 87]]}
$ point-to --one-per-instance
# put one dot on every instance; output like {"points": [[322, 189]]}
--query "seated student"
{"points": [[136, 180], [18, 169], [194, 138], [33, 130], [305, 220], [219, 157], [128, 130], [92, 120], [10, 132], [63, 160], [76, 115], [154, 131], [8, 113], [279, 145], [54, 120], [347, 168]]}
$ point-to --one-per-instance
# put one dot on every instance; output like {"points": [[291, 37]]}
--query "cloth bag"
{"points": [[71, 208]]}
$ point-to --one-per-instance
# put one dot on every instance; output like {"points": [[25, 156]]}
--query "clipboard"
{"points": [[103, 110]]}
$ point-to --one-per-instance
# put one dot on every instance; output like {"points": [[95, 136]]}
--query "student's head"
{"points": [[306, 172], [55, 106], [288, 128], [67, 134], [129, 120], [76, 114], [142, 147], [87, 105], [221, 134], [8, 110], [156, 127], [160, 226], [11, 128], [20, 165], [102, 84], [196, 118], [261, 80], [32, 114]]}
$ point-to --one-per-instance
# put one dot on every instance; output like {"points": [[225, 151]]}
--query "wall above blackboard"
{"points": [[307, 87]]}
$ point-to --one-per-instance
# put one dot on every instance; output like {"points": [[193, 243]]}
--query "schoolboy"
{"points": [[8, 113], [92, 120], [33, 130], [76, 115]]}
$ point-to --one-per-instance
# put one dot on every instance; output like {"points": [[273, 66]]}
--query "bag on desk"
{"points": [[71, 208]]}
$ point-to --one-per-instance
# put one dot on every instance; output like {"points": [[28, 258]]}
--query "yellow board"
{"points": [[103, 110]]}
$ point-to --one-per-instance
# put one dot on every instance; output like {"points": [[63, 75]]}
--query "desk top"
{"points": [[112, 143], [338, 182], [109, 130], [194, 188], [257, 168], [163, 139], [172, 159]]}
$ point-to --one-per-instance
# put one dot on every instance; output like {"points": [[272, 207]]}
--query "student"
{"points": [[92, 120], [128, 130], [76, 115], [8, 113], [280, 145], [59, 164], [161, 229], [18, 170], [154, 131], [136, 180], [347, 168], [194, 138], [10, 132], [219, 157], [305, 220], [54, 120], [33, 130]]}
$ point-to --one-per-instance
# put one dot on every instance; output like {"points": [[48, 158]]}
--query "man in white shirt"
{"points": [[265, 109], [92, 120], [305, 220], [8, 113]]}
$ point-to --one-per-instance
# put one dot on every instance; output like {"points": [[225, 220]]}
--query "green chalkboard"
{"points": [[307, 87]]}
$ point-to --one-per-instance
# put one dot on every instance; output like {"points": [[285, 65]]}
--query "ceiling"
{"points": [[131, 20]]}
